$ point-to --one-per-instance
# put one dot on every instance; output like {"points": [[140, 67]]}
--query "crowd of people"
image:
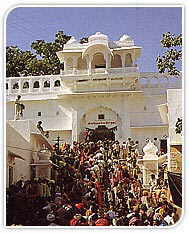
{"points": [[95, 184]]}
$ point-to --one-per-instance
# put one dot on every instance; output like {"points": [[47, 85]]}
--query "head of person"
{"points": [[51, 218]]}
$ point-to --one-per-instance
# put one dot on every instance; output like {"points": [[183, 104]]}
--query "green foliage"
{"points": [[84, 40], [167, 63], [43, 61], [17, 60]]}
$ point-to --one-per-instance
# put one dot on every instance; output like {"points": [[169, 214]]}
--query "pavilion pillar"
{"points": [[65, 65], [107, 59], [123, 60], [89, 61], [74, 64]]}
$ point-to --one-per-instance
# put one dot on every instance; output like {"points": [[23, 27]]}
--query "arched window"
{"points": [[36, 84], [98, 61], [57, 83], [47, 84], [7, 86], [116, 61], [15, 86], [26, 85], [128, 60]]}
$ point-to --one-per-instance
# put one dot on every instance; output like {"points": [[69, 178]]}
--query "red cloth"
{"points": [[99, 194], [73, 222], [79, 205], [102, 222]]}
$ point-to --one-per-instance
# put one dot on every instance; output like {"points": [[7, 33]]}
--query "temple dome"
{"points": [[98, 36], [150, 151], [126, 40]]}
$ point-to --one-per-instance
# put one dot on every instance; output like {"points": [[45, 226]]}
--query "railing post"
{"points": [[40, 85], [30, 85], [51, 84], [19, 86]]}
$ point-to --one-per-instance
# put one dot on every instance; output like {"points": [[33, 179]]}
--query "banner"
{"points": [[102, 123]]}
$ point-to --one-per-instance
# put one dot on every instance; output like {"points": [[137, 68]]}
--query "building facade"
{"points": [[100, 89]]}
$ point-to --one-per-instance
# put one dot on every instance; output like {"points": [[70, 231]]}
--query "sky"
{"points": [[144, 24]]}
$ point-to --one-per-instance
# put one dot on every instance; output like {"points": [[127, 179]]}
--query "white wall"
{"points": [[132, 109], [16, 143], [65, 136], [141, 134], [174, 100], [54, 114]]}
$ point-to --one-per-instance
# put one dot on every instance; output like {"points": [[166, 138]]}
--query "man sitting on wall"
{"points": [[40, 128]]}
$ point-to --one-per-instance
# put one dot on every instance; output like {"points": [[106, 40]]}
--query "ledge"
{"points": [[149, 126]]}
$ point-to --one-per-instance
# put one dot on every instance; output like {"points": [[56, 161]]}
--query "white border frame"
{"points": [[4, 113]]}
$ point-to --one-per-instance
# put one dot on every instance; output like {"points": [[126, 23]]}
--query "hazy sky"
{"points": [[144, 24]]}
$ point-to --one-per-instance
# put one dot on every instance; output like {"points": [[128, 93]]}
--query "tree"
{"points": [[172, 55], [17, 60], [84, 40], [49, 61], [41, 61]]}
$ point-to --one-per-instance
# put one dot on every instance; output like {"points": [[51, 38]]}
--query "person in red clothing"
{"points": [[99, 193], [102, 220], [78, 220]]}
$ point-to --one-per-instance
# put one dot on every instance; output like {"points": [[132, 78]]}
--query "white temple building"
{"points": [[101, 88]]}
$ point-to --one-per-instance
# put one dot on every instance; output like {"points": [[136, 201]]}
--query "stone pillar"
{"points": [[30, 86], [123, 60], [51, 84], [65, 65], [19, 86], [89, 61], [132, 58], [107, 59], [150, 163], [40, 85], [74, 64]]}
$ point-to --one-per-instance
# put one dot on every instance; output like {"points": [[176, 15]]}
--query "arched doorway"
{"points": [[101, 123], [98, 61]]}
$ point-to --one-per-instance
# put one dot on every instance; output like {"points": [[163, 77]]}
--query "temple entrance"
{"points": [[102, 133], [100, 123]]}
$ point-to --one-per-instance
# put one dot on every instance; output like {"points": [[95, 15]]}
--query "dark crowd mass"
{"points": [[96, 184]]}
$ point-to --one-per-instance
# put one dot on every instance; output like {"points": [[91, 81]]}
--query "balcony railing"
{"points": [[81, 80], [100, 71]]}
